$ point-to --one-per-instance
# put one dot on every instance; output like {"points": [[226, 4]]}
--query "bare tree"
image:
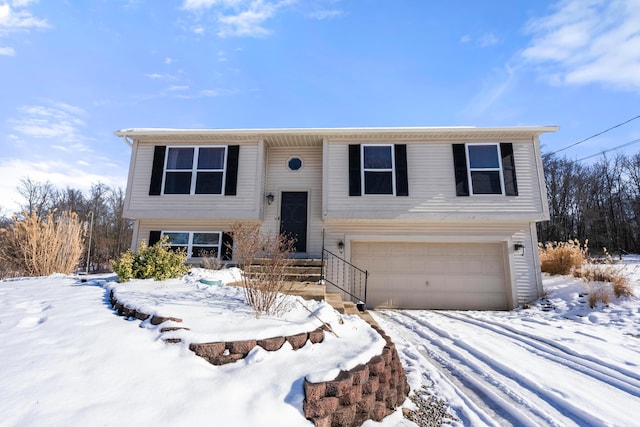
{"points": [[38, 196]]}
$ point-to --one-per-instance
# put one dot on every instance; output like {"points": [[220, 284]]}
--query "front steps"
{"points": [[300, 269], [303, 277]]}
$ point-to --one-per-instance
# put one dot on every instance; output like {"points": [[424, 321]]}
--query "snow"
{"points": [[558, 362], [68, 360]]}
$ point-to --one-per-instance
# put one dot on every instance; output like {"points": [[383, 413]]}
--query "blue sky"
{"points": [[72, 72]]}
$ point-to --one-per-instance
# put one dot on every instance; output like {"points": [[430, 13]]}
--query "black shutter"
{"points": [[402, 181], [355, 185], [155, 188], [460, 167], [227, 247], [233, 152], [154, 237], [508, 169]]}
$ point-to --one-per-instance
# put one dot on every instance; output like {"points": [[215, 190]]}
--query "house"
{"points": [[439, 217]]}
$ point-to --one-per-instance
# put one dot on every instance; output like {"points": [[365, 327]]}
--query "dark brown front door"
{"points": [[293, 217]]}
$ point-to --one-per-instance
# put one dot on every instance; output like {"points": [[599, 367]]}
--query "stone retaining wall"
{"points": [[369, 391], [223, 352]]}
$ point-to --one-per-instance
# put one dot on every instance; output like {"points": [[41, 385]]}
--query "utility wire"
{"points": [[597, 134], [635, 141]]}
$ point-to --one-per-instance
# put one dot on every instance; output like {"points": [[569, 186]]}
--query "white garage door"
{"points": [[463, 276]]}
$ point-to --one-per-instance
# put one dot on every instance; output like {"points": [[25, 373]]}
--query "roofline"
{"points": [[133, 132]]}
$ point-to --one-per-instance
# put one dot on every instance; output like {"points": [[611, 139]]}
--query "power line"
{"points": [[610, 149], [597, 134]]}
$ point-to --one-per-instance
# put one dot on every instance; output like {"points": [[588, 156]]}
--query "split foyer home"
{"points": [[439, 217]]}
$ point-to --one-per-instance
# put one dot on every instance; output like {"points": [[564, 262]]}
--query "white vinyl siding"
{"points": [[308, 178], [244, 205], [432, 183]]}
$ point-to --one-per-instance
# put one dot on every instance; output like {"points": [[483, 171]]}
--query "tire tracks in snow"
{"points": [[514, 397], [614, 375]]}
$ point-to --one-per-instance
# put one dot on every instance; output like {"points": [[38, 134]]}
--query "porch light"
{"points": [[270, 198], [341, 246], [518, 247]]}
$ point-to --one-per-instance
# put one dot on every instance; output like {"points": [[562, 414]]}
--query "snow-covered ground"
{"points": [[557, 363], [68, 360]]}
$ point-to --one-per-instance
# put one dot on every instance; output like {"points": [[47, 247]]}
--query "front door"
{"points": [[293, 218]]}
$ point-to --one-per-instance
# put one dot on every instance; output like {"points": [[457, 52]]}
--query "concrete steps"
{"points": [[303, 277], [300, 269]]}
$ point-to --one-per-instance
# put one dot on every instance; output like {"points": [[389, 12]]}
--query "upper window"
{"points": [[485, 169], [196, 243], [378, 175], [194, 170]]}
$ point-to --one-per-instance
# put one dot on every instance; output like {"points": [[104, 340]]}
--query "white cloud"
{"points": [[488, 39], [248, 23], [177, 87], [56, 120], [584, 42], [7, 51], [205, 4], [326, 14], [236, 18], [484, 40], [492, 90], [168, 60], [15, 18], [160, 76]]}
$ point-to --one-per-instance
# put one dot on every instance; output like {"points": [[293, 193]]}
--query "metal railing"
{"points": [[349, 279]]}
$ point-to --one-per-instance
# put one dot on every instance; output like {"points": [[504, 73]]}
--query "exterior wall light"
{"points": [[270, 198], [518, 247], [341, 246]]}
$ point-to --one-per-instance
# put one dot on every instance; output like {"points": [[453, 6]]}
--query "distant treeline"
{"points": [[101, 210], [599, 202]]}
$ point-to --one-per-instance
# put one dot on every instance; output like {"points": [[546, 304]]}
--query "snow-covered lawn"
{"points": [[68, 360]]}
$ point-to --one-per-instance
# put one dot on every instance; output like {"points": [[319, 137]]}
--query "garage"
{"points": [[462, 276]]}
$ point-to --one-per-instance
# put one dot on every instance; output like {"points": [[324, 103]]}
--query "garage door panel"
{"points": [[460, 276]]}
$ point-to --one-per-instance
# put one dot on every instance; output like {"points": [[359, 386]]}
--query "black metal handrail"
{"points": [[351, 280]]}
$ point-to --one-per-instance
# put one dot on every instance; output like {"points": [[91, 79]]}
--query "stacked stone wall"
{"points": [[369, 391]]}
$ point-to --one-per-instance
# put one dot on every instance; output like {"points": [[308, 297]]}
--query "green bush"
{"points": [[151, 262]]}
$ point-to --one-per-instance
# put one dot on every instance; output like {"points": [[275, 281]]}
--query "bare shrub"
{"points": [[598, 293], [264, 259], [603, 270], [562, 257], [622, 288], [40, 246], [210, 260]]}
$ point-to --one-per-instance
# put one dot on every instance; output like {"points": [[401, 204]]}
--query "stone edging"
{"points": [[221, 353], [369, 391]]}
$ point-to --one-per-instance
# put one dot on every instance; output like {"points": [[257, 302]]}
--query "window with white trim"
{"points": [[194, 170], [485, 168], [197, 244], [378, 169]]}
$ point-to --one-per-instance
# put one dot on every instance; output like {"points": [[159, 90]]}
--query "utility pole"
{"points": [[89, 248]]}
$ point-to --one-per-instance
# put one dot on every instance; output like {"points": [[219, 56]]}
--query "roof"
{"points": [[315, 136]]}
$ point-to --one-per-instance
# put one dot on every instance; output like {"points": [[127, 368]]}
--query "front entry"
{"points": [[293, 218]]}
